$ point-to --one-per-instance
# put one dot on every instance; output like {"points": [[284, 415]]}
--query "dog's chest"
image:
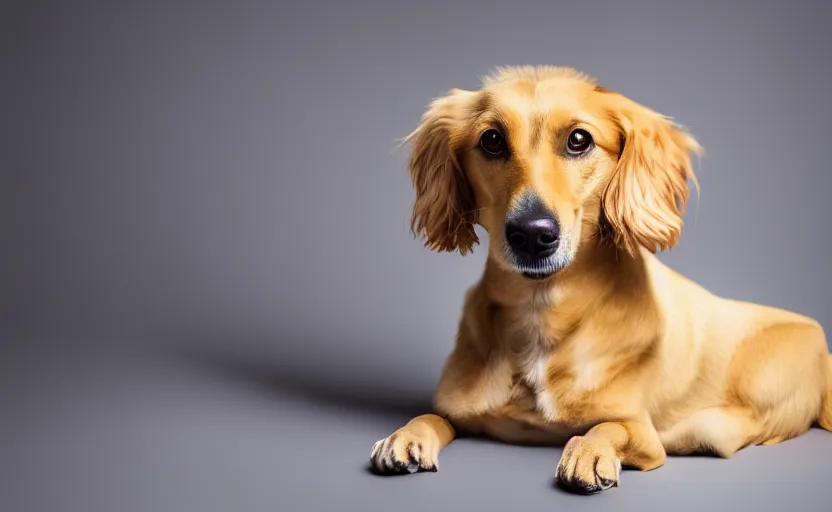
{"points": [[531, 413], [533, 346]]}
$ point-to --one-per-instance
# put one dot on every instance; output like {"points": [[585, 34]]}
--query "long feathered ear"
{"points": [[646, 197], [444, 212]]}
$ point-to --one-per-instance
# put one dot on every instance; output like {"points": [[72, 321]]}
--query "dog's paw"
{"points": [[403, 452], [588, 467]]}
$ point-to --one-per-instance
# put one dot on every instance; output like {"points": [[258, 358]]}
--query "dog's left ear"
{"points": [[444, 212], [645, 199]]}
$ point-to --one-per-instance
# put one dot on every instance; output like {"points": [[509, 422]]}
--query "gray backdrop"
{"points": [[210, 296]]}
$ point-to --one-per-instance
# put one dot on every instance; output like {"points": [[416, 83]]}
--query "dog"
{"points": [[576, 335]]}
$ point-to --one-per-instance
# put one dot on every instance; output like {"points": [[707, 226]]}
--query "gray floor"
{"points": [[88, 429]]}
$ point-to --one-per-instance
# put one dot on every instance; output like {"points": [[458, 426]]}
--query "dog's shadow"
{"points": [[281, 377]]}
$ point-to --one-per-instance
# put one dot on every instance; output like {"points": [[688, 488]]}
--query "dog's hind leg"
{"points": [[721, 431], [782, 373], [780, 383]]}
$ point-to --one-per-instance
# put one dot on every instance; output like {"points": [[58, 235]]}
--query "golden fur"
{"points": [[615, 354]]}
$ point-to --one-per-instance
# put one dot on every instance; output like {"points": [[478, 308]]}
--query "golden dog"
{"points": [[576, 332]]}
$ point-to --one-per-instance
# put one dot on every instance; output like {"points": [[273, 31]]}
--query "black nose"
{"points": [[535, 236]]}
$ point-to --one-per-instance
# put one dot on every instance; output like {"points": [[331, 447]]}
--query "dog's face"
{"points": [[542, 159]]}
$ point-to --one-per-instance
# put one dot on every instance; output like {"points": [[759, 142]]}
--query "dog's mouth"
{"points": [[537, 276], [537, 270]]}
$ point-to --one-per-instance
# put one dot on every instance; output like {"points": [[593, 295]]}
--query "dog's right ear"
{"points": [[444, 211], [646, 197]]}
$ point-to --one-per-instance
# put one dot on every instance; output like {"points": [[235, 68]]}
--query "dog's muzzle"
{"points": [[533, 236]]}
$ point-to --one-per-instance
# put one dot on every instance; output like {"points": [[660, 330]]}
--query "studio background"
{"points": [[210, 296]]}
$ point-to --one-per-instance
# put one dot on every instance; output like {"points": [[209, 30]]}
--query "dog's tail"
{"points": [[825, 418]]}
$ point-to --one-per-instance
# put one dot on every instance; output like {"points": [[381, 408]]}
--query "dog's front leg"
{"points": [[473, 381], [592, 462], [413, 447]]}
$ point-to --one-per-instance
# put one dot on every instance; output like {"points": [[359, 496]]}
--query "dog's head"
{"points": [[545, 159]]}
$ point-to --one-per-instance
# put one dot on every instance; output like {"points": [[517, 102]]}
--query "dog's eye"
{"points": [[579, 142], [493, 143]]}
